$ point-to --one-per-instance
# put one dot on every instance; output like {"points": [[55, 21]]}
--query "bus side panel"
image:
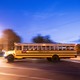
{"points": [[45, 54]]}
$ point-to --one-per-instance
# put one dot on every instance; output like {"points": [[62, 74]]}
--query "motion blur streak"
{"points": [[8, 74]]}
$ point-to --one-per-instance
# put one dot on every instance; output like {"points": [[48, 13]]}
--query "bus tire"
{"points": [[49, 59], [10, 58], [55, 58]]}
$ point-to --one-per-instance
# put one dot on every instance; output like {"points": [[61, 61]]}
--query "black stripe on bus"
{"points": [[44, 55]]}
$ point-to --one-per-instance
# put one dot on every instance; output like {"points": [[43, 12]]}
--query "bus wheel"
{"points": [[49, 59], [55, 58], [10, 58]]}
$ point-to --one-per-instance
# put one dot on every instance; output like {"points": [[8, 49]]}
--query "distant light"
{"points": [[44, 44]]}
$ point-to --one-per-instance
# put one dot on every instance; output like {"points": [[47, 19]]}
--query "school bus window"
{"points": [[18, 48], [52, 47], [71, 48], [43, 47], [56, 47], [30, 48], [35, 48], [47, 47], [68, 47], [39, 48], [60, 47], [64, 48], [25, 48]]}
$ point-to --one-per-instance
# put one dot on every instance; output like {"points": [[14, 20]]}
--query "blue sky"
{"points": [[58, 18]]}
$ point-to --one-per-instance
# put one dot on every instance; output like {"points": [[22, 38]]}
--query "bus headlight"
{"points": [[5, 55]]}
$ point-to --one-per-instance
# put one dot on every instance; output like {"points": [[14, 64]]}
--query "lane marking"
{"points": [[13, 67], [75, 61], [38, 78], [70, 60], [59, 71]]}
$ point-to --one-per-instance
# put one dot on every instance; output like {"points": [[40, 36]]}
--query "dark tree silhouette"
{"points": [[10, 37], [38, 39], [42, 39]]}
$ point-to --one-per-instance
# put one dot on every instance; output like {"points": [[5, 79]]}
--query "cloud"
{"points": [[76, 41]]}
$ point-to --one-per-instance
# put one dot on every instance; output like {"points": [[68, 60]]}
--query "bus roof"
{"points": [[45, 44]]}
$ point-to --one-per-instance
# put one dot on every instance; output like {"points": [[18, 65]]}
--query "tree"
{"points": [[42, 39], [38, 39], [10, 37]]}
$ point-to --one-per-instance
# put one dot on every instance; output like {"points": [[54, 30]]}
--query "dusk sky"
{"points": [[60, 19]]}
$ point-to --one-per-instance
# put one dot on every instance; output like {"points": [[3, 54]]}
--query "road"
{"points": [[41, 69]]}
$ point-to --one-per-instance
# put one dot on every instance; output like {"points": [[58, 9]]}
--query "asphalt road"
{"points": [[41, 69]]}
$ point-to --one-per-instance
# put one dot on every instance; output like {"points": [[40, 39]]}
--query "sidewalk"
{"points": [[78, 58]]}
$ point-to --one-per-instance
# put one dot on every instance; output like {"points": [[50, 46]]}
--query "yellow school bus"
{"points": [[52, 52]]}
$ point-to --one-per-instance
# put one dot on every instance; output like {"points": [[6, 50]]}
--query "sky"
{"points": [[60, 19]]}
